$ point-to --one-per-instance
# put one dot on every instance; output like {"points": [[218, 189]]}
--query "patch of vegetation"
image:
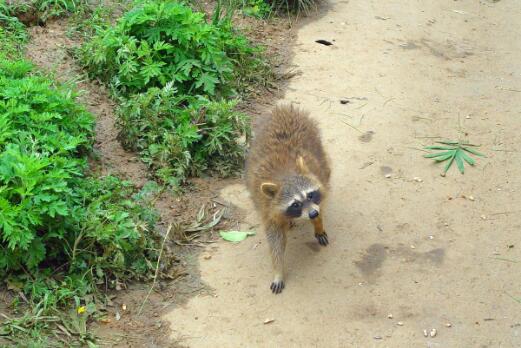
{"points": [[256, 8], [180, 136], [159, 42], [35, 12], [453, 151], [61, 234], [92, 18], [293, 6], [174, 72], [12, 33]]}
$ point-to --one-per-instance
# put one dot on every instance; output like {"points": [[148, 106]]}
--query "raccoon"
{"points": [[287, 175]]}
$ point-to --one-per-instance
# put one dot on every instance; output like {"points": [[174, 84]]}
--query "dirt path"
{"points": [[412, 69]]}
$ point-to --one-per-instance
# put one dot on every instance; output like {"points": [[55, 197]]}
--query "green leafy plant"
{"points": [[33, 12], [12, 33], [171, 71], [453, 151], [61, 234], [165, 41], [180, 136], [256, 8]]}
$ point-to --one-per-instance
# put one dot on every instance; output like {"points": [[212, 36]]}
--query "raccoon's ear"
{"points": [[269, 189], [301, 165]]}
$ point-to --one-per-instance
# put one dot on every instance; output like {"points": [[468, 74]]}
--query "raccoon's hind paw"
{"points": [[322, 239], [292, 224], [277, 286]]}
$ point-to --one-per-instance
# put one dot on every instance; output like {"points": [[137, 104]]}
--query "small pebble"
{"points": [[377, 337], [387, 176], [431, 237], [268, 321], [400, 323], [389, 316], [448, 325], [425, 333], [207, 257], [413, 247], [433, 332], [124, 307], [417, 179], [483, 217], [471, 198]]}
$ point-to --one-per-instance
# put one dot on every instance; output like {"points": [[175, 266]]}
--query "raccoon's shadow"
{"points": [[302, 250]]}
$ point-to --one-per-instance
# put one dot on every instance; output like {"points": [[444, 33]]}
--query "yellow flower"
{"points": [[81, 309]]}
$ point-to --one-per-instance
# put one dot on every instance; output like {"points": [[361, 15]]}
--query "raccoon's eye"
{"points": [[296, 205], [311, 195]]}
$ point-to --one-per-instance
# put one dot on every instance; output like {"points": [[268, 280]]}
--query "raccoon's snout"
{"points": [[313, 214]]}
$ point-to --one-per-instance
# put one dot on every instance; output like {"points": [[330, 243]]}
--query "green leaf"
{"points": [[438, 147], [467, 158], [459, 162], [235, 236], [209, 83], [433, 155], [444, 157], [448, 164], [448, 142], [473, 151]]}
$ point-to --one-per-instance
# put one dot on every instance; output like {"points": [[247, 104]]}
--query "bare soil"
{"points": [[410, 250]]}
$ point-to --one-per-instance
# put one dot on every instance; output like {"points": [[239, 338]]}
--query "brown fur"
{"points": [[286, 143]]}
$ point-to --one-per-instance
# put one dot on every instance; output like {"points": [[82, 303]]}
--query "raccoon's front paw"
{"points": [[322, 239], [277, 286]]}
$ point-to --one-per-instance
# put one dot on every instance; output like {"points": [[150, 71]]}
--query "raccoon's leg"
{"points": [[320, 234], [276, 236]]}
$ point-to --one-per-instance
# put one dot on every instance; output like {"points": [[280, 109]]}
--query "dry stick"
{"points": [[157, 269], [358, 130]]}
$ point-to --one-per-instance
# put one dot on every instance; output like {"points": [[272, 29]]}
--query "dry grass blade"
{"points": [[199, 227], [157, 269]]}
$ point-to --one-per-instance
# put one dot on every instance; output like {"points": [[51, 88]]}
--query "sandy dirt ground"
{"points": [[410, 251]]}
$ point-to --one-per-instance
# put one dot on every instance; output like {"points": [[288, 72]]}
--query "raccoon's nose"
{"points": [[313, 214]]}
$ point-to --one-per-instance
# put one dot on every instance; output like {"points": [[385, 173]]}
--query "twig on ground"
{"points": [[157, 269]]}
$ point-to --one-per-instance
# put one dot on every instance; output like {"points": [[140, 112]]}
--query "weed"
{"points": [[296, 6], [159, 42], [61, 234], [256, 8], [90, 19], [33, 12], [180, 136], [12, 33], [453, 151], [171, 70]]}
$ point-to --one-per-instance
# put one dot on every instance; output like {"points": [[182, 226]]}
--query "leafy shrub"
{"points": [[256, 8], [12, 33], [179, 141], [158, 42], [171, 70], [50, 214]]}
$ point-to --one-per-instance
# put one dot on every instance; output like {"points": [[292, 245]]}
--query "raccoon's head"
{"points": [[297, 196]]}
